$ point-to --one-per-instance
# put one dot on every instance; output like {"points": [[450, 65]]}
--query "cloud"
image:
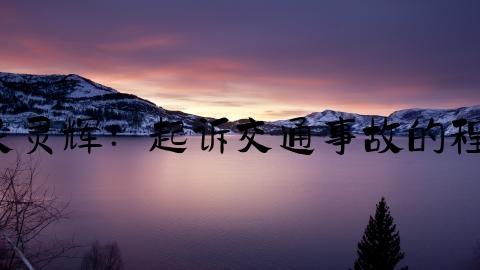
{"points": [[143, 43], [289, 55], [286, 114]]}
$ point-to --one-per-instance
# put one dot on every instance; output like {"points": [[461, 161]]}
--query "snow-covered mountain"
{"points": [[443, 116], [405, 118], [60, 97], [317, 121]]}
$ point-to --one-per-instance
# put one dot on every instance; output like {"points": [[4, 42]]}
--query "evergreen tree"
{"points": [[379, 248]]}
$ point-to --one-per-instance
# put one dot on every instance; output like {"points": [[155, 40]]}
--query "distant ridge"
{"points": [[59, 97]]}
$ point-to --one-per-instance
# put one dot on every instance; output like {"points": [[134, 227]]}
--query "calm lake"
{"points": [[279, 210]]}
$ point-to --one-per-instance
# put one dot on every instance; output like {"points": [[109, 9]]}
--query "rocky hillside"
{"points": [[60, 97]]}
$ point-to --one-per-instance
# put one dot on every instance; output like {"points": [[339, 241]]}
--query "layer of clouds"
{"points": [[363, 56]]}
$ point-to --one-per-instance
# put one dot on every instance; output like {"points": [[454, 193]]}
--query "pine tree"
{"points": [[379, 248]]}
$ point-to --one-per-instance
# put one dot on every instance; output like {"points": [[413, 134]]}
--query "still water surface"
{"points": [[279, 210]]}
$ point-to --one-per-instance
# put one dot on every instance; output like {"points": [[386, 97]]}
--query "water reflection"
{"points": [[278, 210]]}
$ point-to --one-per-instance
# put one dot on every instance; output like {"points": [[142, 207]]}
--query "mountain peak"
{"points": [[72, 96], [68, 86]]}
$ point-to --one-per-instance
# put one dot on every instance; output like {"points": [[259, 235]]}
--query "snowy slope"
{"points": [[60, 97]]}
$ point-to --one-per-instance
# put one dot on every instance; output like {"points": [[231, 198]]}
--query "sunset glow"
{"points": [[237, 60]]}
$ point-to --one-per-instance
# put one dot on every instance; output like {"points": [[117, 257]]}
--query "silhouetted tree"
{"points": [[379, 248], [105, 257], [27, 208]]}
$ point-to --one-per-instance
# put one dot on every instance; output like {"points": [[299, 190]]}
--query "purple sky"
{"points": [[265, 59]]}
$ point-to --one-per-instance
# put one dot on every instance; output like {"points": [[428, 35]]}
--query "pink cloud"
{"points": [[139, 44]]}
